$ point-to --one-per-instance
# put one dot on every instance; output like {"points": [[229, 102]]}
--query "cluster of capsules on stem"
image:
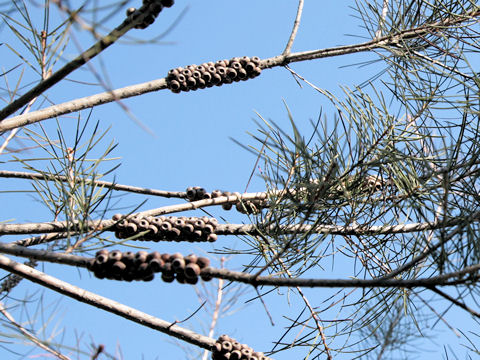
{"points": [[193, 77], [244, 206], [227, 348], [165, 228], [142, 266], [152, 7]]}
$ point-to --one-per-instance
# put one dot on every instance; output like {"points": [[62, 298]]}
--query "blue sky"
{"points": [[189, 144]]}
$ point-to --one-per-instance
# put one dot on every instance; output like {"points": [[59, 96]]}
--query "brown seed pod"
{"points": [[235, 355], [231, 73], [187, 73], [236, 345], [242, 74], [191, 281], [174, 234], [143, 225], [166, 226], [114, 256], [156, 265], [199, 224], [226, 206], [245, 60], [226, 346], [256, 72], [224, 337], [168, 277], [203, 262], [117, 217], [235, 65], [166, 257], [191, 259], [180, 277], [128, 258], [212, 237], [181, 78], [154, 255], [141, 257], [247, 351], [208, 229], [205, 277], [216, 193], [217, 348], [131, 227], [99, 273], [118, 267], [178, 264], [191, 82], [122, 224], [206, 76], [101, 252], [256, 60], [196, 235], [192, 271], [250, 67], [222, 71], [143, 270], [179, 223], [216, 79], [188, 229]]}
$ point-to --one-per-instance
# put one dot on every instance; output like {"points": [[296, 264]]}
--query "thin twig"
{"points": [[216, 311], [101, 183], [296, 24], [106, 304], [455, 301], [31, 336], [381, 23]]}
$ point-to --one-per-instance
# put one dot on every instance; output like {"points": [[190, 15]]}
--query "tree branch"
{"points": [[280, 60], [106, 304], [241, 229], [252, 279], [296, 24]]}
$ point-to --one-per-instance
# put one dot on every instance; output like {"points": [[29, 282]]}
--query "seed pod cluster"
{"points": [[152, 7], [170, 228], [227, 348], [142, 266], [243, 206], [193, 77]]}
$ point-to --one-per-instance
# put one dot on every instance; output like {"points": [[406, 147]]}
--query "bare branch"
{"points": [[106, 304], [296, 24], [106, 184]]}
